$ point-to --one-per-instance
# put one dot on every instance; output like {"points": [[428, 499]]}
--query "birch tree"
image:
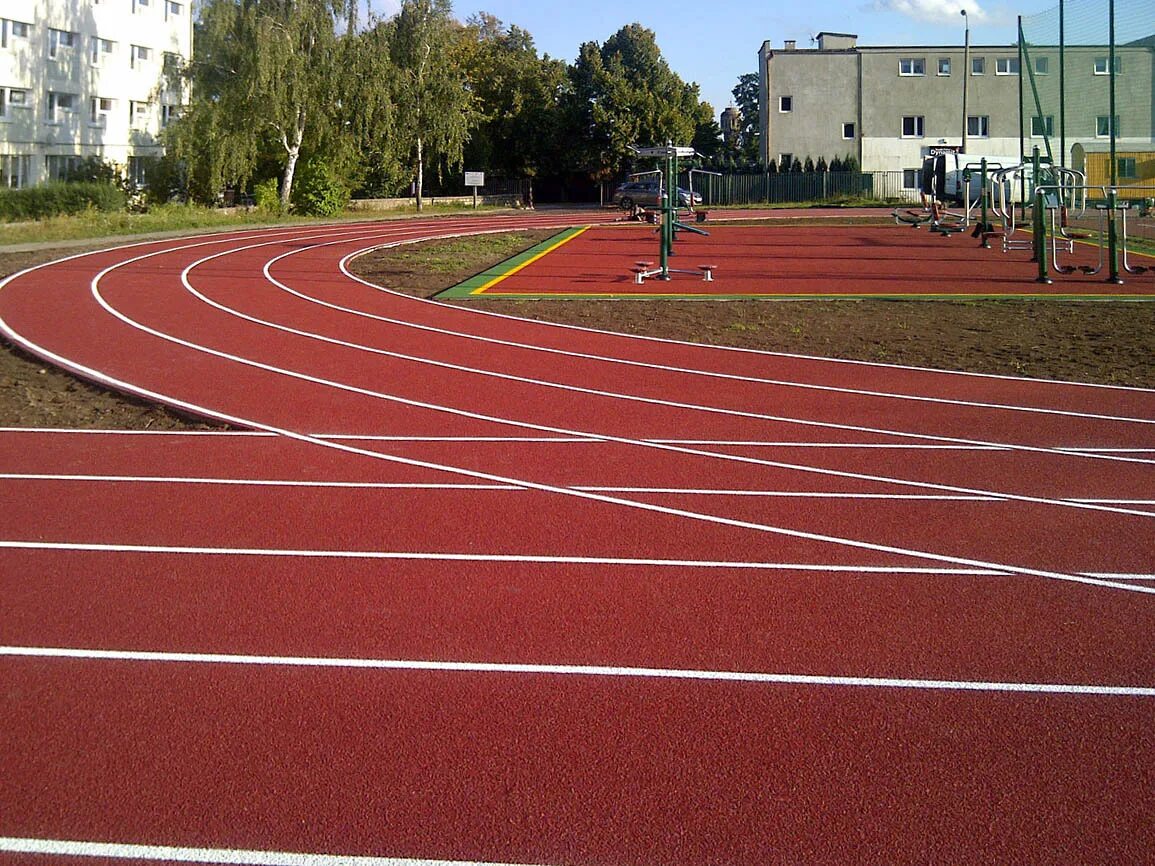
{"points": [[262, 72], [434, 104]]}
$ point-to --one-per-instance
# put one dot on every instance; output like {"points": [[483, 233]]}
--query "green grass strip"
{"points": [[470, 288]]}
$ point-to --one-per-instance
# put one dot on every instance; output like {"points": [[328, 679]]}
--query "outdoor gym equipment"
{"points": [[668, 208]]}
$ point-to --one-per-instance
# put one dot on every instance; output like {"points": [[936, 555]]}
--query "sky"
{"points": [[712, 43]]}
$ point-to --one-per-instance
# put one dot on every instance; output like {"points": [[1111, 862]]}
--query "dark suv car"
{"points": [[645, 193]]}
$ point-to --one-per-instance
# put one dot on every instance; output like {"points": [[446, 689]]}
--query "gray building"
{"points": [[891, 106]]}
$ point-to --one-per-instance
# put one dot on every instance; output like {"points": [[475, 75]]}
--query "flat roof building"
{"points": [[86, 78]]}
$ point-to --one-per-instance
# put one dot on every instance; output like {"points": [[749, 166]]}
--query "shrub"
{"points": [[267, 197], [56, 199], [318, 191]]}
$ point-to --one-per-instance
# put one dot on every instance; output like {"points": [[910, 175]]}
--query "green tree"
{"points": [[435, 108], [262, 76], [624, 93], [746, 98], [518, 131]]}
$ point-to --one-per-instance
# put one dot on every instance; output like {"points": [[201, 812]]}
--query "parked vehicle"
{"points": [[646, 193]]}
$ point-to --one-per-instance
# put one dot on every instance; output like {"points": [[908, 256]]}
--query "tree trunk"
{"points": [[420, 174], [287, 177]]}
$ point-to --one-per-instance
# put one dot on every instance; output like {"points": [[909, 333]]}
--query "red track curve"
{"points": [[731, 606]]}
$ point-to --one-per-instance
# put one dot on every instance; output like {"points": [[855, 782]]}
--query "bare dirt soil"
{"points": [[1106, 342]]}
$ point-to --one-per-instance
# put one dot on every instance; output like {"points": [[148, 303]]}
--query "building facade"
{"points": [[83, 78], [890, 107]]}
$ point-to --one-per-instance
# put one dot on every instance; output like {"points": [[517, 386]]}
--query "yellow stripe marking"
{"points": [[528, 262]]}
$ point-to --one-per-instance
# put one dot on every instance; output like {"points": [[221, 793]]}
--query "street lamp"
{"points": [[966, 76]]}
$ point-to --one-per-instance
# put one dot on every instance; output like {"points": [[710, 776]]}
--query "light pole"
{"points": [[966, 76]]}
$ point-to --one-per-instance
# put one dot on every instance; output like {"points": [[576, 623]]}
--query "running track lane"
{"points": [[583, 767]]}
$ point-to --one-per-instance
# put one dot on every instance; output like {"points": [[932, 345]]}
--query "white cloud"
{"points": [[934, 11]]}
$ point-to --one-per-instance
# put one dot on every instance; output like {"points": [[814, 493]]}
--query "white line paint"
{"points": [[604, 498], [383, 485], [606, 671], [434, 556], [182, 854], [108, 307], [758, 527]]}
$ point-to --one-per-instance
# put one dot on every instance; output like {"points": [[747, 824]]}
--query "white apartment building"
{"points": [[82, 78]]}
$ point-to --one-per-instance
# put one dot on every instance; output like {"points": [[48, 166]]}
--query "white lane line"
{"points": [[593, 436], [386, 485], [609, 671], [741, 350], [186, 281], [597, 497], [183, 854], [609, 359], [433, 556], [715, 519]]}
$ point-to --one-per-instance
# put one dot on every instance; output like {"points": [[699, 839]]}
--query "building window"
{"points": [[60, 106], [139, 55], [1042, 66], [910, 178], [10, 30], [1127, 168], [137, 114], [59, 167], [138, 168], [101, 108], [848, 131], [172, 10], [785, 160], [912, 126], [1103, 126], [979, 126], [978, 66], [1042, 126], [1102, 64], [785, 104], [912, 66], [97, 49], [58, 41], [15, 170], [1006, 66], [139, 6], [944, 66], [11, 98], [169, 113]]}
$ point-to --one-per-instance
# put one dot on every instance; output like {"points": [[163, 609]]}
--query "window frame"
{"points": [[982, 126], [944, 67], [916, 67], [918, 124], [785, 104], [978, 66], [1107, 62], [853, 126], [1011, 65], [1048, 123]]}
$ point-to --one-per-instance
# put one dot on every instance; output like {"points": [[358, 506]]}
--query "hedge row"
{"points": [[55, 199]]}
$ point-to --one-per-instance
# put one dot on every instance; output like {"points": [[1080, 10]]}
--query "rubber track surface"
{"points": [[476, 589]]}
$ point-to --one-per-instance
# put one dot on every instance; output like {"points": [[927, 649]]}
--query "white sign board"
{"points": [[475, 178]]}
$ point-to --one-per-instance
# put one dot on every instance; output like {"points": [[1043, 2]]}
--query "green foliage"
{"points": [[165, 180], [745, 94], [808, 166], [267, 196], [821, 164], [318, 191], [93, 169], [430, 88], [850, 163], [836, 164], [55, 199]]}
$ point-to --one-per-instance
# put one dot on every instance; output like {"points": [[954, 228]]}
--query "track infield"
{"points": [[788, 262]]}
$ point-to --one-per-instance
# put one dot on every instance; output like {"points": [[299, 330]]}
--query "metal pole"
{"points": [[1112, 234], [966, 76], [1062, 87]]}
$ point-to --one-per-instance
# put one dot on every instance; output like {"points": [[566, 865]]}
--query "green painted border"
{"points": [[503, 269], [466, 289]]}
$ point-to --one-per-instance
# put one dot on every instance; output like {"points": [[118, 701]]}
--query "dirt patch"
{"points": [[1105, 342]]}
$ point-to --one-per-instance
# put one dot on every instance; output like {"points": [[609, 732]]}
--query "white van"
{"points": [[943, 175]]}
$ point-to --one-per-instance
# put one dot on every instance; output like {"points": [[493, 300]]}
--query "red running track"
{"points": [[485, 590]]}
